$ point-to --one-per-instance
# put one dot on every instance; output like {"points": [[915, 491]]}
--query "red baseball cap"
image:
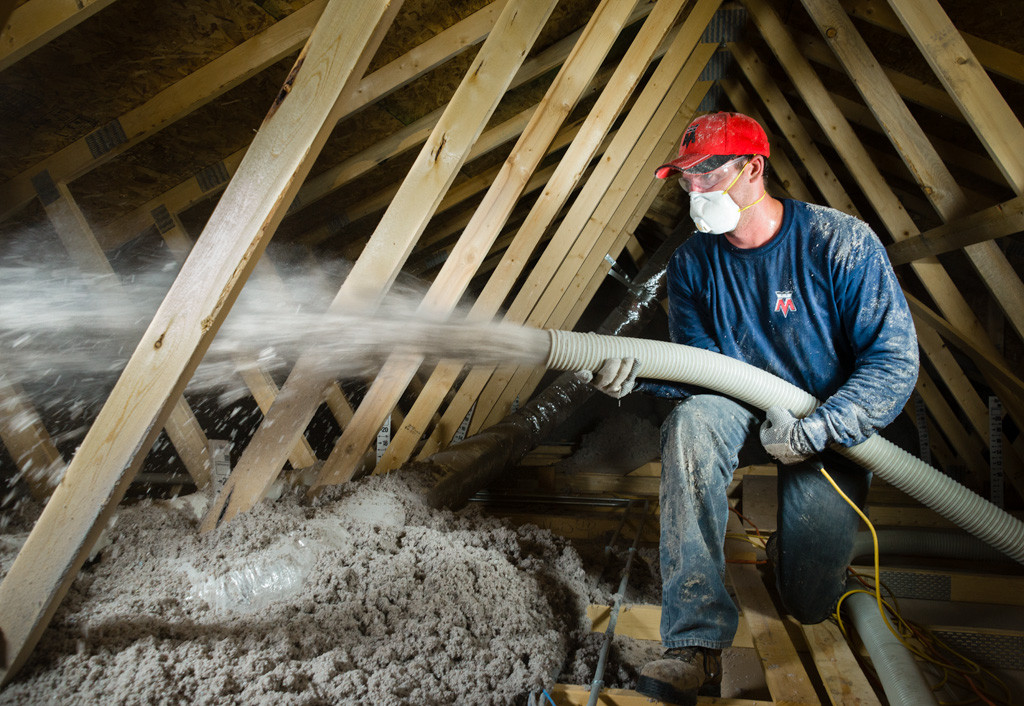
{"points": [[716, 134]]}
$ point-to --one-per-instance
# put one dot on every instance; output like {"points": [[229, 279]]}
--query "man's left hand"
{"points": [[783, 437]]}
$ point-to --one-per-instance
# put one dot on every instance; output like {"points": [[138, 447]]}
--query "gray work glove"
{"points": [[616, 377], [783, 437]]}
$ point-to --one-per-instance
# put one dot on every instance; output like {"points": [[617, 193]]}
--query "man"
{"points": [[806, 293]]}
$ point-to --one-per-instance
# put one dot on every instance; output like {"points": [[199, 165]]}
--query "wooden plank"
{"points": [[468, 189], [174, 102], [389, 78], [570, 695], [792, 129], [491, 215], [643, 622], [911, 89], [784, 673], [996, 367], [994, 57], [994, 222], [924, 163], [838, 667], [27, 441], [376, 269], [291, 136], [964, 78], [935, 279], [37, 22], [579, 525], [259, 382], [610, 220], [561, 185], [68, 220]]}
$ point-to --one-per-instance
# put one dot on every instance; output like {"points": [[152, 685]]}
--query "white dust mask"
{"points": [[715, 211]]}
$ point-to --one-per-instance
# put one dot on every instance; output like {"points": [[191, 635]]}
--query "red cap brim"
{"points": [[680, 164]]}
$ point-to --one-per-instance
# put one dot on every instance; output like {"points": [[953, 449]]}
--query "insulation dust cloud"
{"points": [[73, 333]]}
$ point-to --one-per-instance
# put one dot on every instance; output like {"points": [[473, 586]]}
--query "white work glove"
{"points": [[616, 377], [783, 437]]}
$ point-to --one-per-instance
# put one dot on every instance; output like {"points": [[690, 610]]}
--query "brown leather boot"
{"points": [[681, 674]]}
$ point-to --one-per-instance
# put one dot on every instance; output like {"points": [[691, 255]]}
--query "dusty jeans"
{"points": [[703, 442]]}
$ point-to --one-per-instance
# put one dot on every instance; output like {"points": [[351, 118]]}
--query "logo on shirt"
{"points": [[784, 303]]}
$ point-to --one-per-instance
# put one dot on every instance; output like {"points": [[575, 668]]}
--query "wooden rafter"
{"points": [[182, 428], [27, 441], [890, 210], [374, 87], [190, 93], [337, 53], [504, 192], [568, 173], [381, 260], [37, 22], [994, 222]]}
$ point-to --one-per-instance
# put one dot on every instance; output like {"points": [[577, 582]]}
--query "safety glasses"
{"points": [[705, 182]]}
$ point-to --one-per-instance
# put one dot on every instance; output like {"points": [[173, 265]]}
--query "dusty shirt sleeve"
{"points": [[877, 321]]}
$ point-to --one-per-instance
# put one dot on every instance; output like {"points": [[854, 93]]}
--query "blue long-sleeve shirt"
{"points": [[818, 305]]}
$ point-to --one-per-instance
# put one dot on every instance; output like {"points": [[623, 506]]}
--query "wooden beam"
{"points": [[561, 185], [384, 255], [967, 447], [909, 140], [169, 105], [490, 217], [389, 78], [994, 57], [37, 22], [994, 222], [994, 366], [68, 220], [931, 274], [290, 138], [597, 219], [792, 129], [571, 695], [259, 382], [964, 78], [488, 141], [784, 673], [27, 441], [837, 666]]}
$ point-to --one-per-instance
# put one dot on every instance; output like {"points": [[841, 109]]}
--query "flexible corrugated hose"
{"points": [[572, 350]]}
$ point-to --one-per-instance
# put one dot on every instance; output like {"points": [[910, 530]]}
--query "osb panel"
{"points": [[203, 138], [110, 63], [418, 21]]}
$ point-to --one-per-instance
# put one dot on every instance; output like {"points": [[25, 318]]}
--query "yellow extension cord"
{"points": [[882, 605]]}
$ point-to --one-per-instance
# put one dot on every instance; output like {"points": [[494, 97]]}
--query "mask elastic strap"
{"points": [[735, 178], [760, 198]]}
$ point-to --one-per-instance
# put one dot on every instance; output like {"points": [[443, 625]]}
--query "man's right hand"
{"points": [[616, 377]]}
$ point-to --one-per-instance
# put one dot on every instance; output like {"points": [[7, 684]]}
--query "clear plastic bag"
{"points": [[274, 575]]}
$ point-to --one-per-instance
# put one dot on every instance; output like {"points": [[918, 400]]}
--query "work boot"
{"points": [[681, 675]]}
